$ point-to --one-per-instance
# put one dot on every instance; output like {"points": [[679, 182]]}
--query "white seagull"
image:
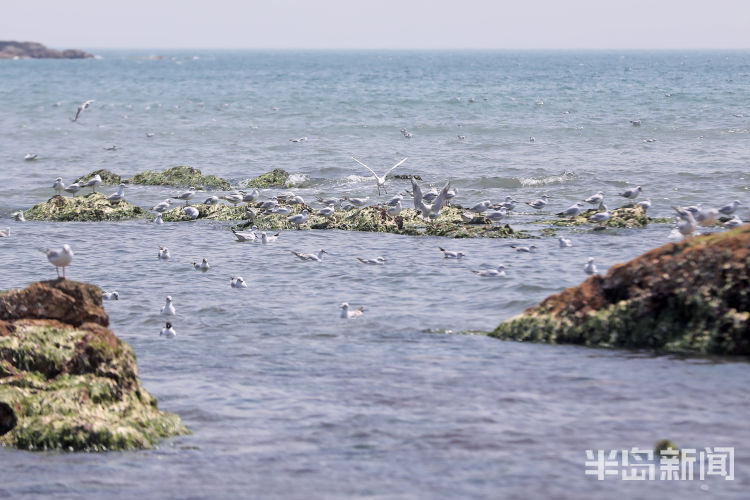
{"points": [[731, 208], [158, 220], [449, 254], [564, 242], [572, 210], [298, 218], [58, 185], [595, 199], [380, 181], [347, 314], [203, 266], [590, 267], [377, 261], [5, 232], [357, 202], [481, 207], [164, 253], [394, 210], [73, 188], [30, 157], [162, 207], [327, 211], [19, 216], [238, 282], [93, 182], [631, 193], [191, 212], [114, 295], [528, 249], [168, 308], [433, 210], [60, 258], [310, 256], [168, 331], [187, 195], [498, 272], [540, 203], [265, 239], [81, 108], [118, 196], [244, 235]]}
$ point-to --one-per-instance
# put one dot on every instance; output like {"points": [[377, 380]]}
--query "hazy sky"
{"points": [[91, 24]]}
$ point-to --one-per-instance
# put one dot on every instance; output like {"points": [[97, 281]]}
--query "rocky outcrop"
{"points": [[276, 178], [89, 207], [33, 50], [691, 296], [182, 176], [107, 177], [66, 381]]}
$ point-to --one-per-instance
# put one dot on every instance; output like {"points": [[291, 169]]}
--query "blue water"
{"points": [[286, 400]]}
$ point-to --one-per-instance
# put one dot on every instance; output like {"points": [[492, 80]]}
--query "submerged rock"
{"points": [[90, 207], [182, 176], [276, 178], [691, 296], [66, 381]]}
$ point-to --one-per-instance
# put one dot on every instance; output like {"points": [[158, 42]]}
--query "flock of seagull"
{"points": [[428, 205]]}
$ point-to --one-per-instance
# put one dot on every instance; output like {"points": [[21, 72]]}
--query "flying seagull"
{"points": [[380, 180]]}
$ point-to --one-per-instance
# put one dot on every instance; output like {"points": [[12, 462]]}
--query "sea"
{"points": [[287, 400]]}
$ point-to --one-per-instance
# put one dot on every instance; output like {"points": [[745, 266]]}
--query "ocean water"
{"points": [[285, 399]]}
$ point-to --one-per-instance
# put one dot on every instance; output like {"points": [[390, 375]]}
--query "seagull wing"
{"points": [[394, 166], [368, 168], [418, 205], [438, 203]]}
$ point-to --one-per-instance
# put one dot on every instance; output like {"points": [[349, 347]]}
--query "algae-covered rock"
{"points": [[90, 207], [182, 176], [628, 216], [691, 296], [276, 178], [71, 386], [107, 176]]}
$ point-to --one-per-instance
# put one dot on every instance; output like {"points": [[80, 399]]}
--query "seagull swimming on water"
{"points": [[377, 261], [380, 181], [449, 254], [19, 216], [203, 266], [81, 108], [30, 157], [168, 308], [5, 232], [114, 295], [164, 253], [347, 314], [631, 193], [309, 256], [498, 272], [590, 267], [265, 239], [237, 282], [244, 235], [60, 258], [168, 331], [564, 242]]}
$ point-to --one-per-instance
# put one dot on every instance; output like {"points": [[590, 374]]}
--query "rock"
{"points": [[182, 176], [664, 445], [628, 216], [34, 50], [692, 296], [66, 381], [107, 176], [276, 178], [406, 177], [89, 207], [219, 212]]}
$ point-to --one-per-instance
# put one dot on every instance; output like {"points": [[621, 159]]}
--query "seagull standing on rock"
{"points": [[93, 182], [187, 195], [298, 218], [58, 185], [118, 196], [60, 258]]}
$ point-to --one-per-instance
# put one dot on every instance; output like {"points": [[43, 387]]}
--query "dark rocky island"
{"points": [[686, 297], [34, 50], [66, 381]]}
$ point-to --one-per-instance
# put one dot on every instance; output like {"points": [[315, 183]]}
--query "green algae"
{"points": [[691, 297], [276, 178], [90, 207], [624, 217], [182, 176], [72, 391], [218, 212], [108, 177]]}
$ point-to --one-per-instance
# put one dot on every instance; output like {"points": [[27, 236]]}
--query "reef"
{"points": [[89, 207], [182, 176], [276, 178], [107, 176], [376, 219], [33, 50], [219, 212], [686, 297], [630, 216], [66, 381]]}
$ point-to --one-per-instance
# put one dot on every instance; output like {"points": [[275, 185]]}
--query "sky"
{"points": [[379, 24]]}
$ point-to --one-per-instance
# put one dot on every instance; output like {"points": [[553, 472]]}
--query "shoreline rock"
{"points": [[276, 178], [686, 297], [10, 49], [66, 381], [89, 207], [181, 176]]}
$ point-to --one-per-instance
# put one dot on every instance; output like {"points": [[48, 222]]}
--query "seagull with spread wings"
{"points": [[380, 180]]}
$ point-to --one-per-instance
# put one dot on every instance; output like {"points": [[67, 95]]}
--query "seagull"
{"points": [[162, 207], [377, 261], [93, 182], [528, 249], [595, 199], [203, 266], [467, 217], [733, 222], [298, 218], [149, 134], [357, 202], [113, 147], [191, 212], [687, 224], [635, 123], [19, 216], [731, 208], [330, 201], [233, 198], [296, 200], [432, 210], [73, 188], [601, 217], [168, 308], [449, 254], [704, 216], [238, 282], [29, 157], [58, 185], [532, 139], [60, 258], [298, 139], [211, 200], [187, 195], [496, 215], [590, 267], [509, 203], [480, 207], [572, 210], [158, 220], [380, 181], [394, 210], [268, 205], [265, 239], [115, 295], [644, 204], [492, 273], [279, 210], [406, 133], [244, 236], [164, 253], [118, 196], [347, 314], [251, 197], [82, 107], [327, 211], [168, 331], [564, 242], [310, 256], [540, 203], [631, 193], [5, 232]]}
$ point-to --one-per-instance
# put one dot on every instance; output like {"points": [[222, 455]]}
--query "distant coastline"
{"points": [[34, 50]]}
